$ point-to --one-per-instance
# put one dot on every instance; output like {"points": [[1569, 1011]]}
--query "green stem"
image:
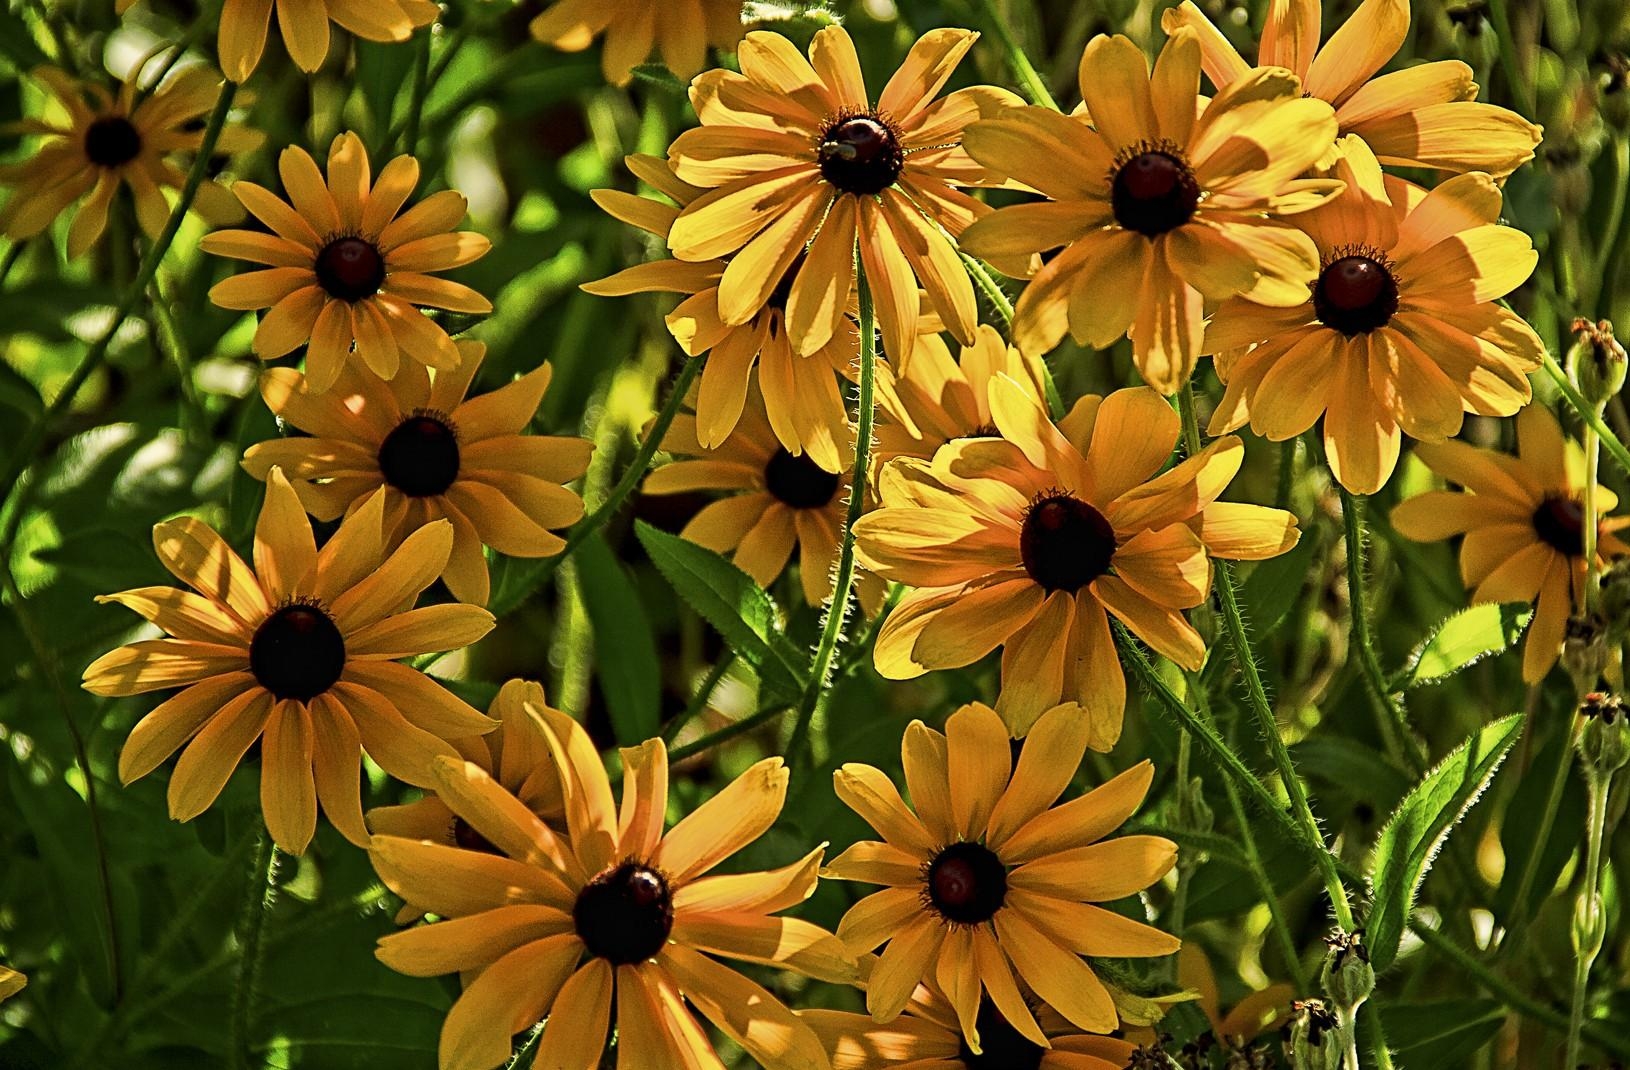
{"points": [[1024, 72], [699, 701], [1517, 924], [1589, 922], [583, 529], [195, 417], [1520, 87], [1604, 268], [1379, 1052], [1270, 895], [1287, 473], [989, 287], [832, 629], [258, 900], [1267, 723], [1593, 471], [1391, 718], [421, 86], [24, 454], [1587, 412], [728, 732]]}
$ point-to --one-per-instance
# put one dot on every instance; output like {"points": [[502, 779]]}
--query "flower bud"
{"points": [[1596, 361], [1315, 1036], [1604, 745], [1585, 650], [1348, 977]]}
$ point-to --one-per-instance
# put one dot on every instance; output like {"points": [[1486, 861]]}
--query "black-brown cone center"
{"points": [[625, 914], [351, 268], [112, 141], [1355, 295], [966, 883], [861, 154], [297, 653], [1154, 192], [799, 482], [420, 456], [1560, 523], [1005, 1048], [1065, 543]]}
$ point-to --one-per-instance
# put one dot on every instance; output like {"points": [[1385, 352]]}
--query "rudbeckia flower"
{"points": [[1025, 542], [988, 884], [299, 652], [1160, 204], [939, 399], [681, 30], [612, 924], [304, 25], [927, 1034], [435, 452], [1401, 332], [775, 501], [802, 397], [345, 268], [516, 756], [1523, 519], [11, 983], [1421, 116], [797, 157], [112, 141]]}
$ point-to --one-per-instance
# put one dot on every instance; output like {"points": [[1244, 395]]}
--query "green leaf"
{"points": [[654, 74], [1463, 639], [1440, 1032], [17, 42], [1419, 826], [1521, 835], [1274, 586], [727, 598], [625, 655]]}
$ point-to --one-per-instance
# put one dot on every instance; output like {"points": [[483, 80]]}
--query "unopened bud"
{"points": [[1585, 650], [1604, 745], [1315, 1036], [1596, 361], [1348, 976]]}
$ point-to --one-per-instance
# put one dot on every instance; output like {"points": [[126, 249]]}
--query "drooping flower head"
{"points": [[1401, 332], [110, 141], [800, 162], [1160, 205], [775, 502], [1422, 116], [1027, 540], [1523, 519], [436, 452], [988, 884], [680, 30], [802, 395], [304, 25], [927, 1034], [345, 268], [301, 652], [612, 924]]}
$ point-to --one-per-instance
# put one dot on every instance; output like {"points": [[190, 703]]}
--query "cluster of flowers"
{"points": [[1256, 225]]}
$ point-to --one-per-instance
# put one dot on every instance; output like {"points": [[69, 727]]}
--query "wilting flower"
{"points": [[304, 25], [1025, 541], [681, 30], [516, 756], [939, 399], [115, 140], [299, 652], [1422, 116], [1160, 205], [615, 912], [987, 883], [776, 501], [1523, 519], [801, 394], [800, 163], [927, 1034], [436, 453], [1401, 332], [345, 268]]}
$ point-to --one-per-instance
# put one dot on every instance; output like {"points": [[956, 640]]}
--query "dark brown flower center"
{"points": [[1005, 1047], [1065, 543], [1355, 295], [297, 652], [625, 914], [799, 482], [112, 141], [1154, 192], [1560, 523], [861, 154], [351, 268], [420, 456], [465, 835], [966, 883]]}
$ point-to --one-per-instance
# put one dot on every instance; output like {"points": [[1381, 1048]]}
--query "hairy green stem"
{"points": [[1270, 896], [1603, 269], [1024, 72], [30, 445], [1381, 1055], [1517, 925], [844, 580], [1587, 412], [1522, 88], [1593, 471], [699, 701], [980, 273], [1589, 919], [728, 732], [258, 900]]}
